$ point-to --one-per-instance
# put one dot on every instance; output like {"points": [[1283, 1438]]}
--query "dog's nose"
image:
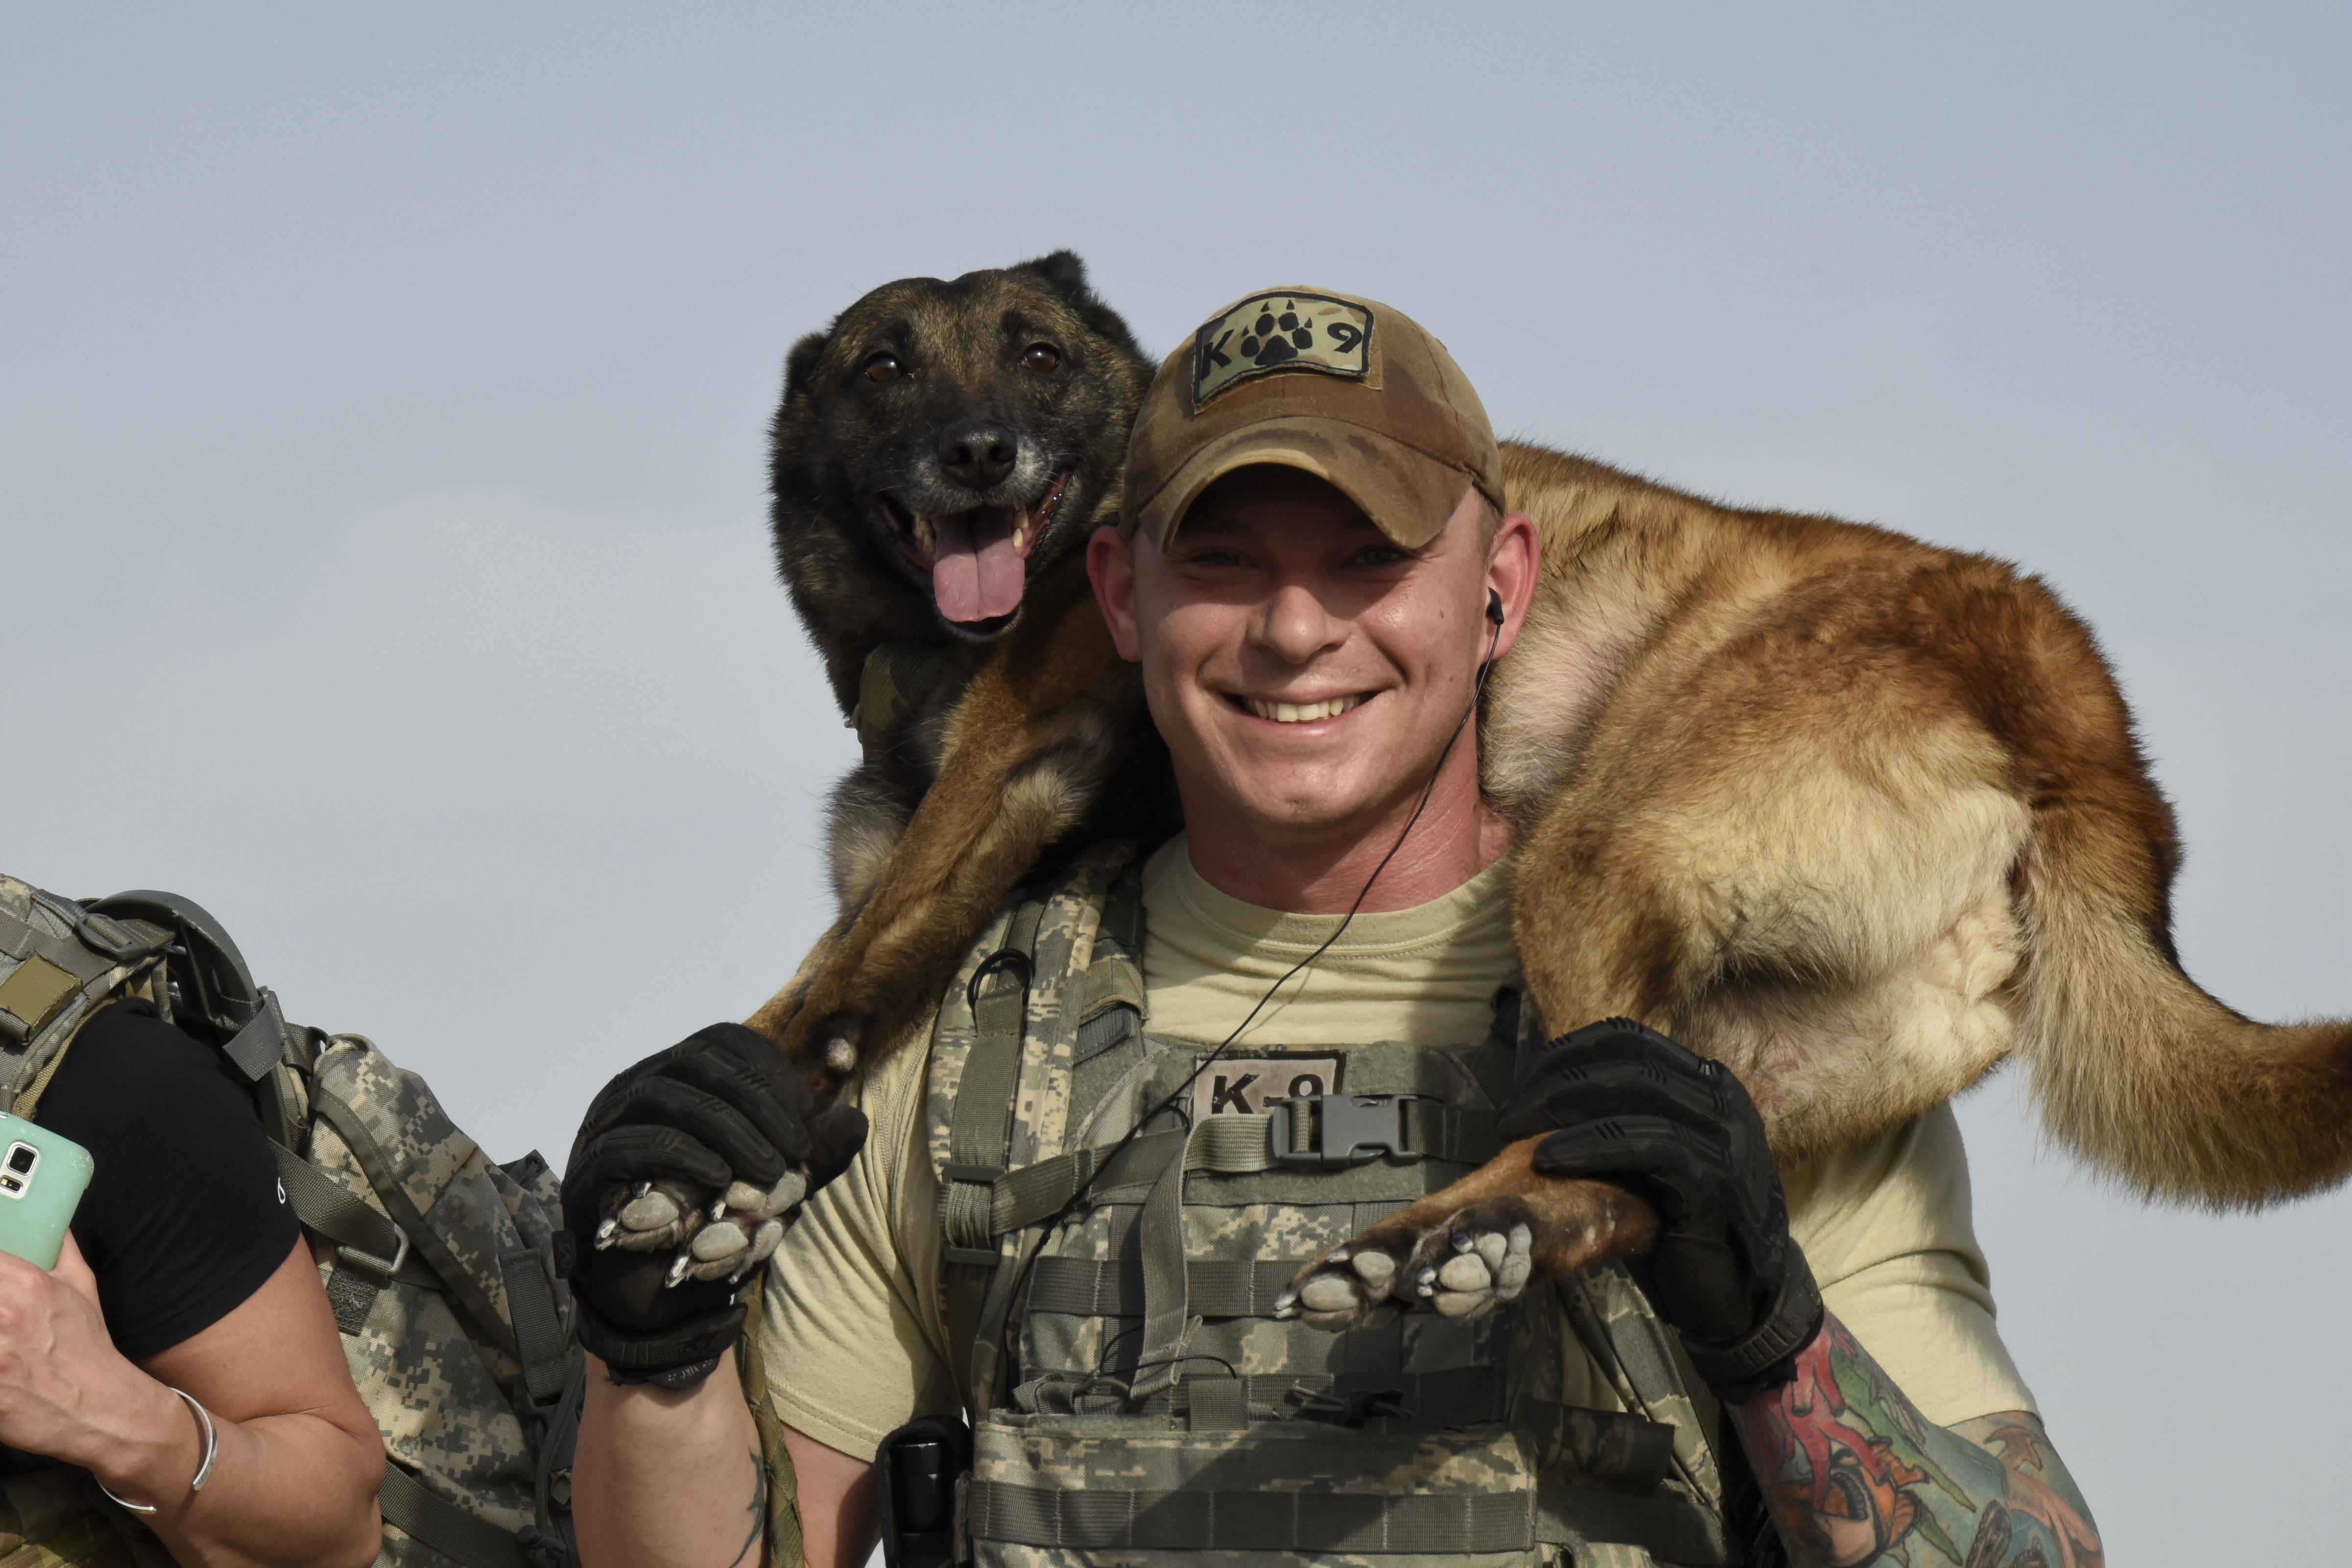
{"points": [[978, 453]]}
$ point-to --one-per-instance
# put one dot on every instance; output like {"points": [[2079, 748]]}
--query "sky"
{"points": [[382, 399]]}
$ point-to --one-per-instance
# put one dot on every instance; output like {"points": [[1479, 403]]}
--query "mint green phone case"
{"points": [[42, 1178]]}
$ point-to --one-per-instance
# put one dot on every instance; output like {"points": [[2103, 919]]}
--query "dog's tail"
{"points": [[2134, 1064]]}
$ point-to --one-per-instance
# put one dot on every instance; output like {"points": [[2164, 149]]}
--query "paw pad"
{"points": [[725, 1238]]}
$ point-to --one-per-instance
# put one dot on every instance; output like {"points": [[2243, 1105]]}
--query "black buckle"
{"points": [[1349, 1128]]}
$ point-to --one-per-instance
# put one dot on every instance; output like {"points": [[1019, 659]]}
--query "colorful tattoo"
{"points": [[1855, 1475]]}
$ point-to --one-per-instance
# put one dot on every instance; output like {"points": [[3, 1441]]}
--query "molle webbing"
{"points": [[1162, 1405], [1100, 1519], [1217, 1289], [1018, 1012]]}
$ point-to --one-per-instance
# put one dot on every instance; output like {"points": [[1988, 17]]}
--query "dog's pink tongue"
{"points": [[976, 574]]}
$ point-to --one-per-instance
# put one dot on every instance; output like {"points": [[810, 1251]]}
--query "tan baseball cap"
{"points": [[1349, 389]]}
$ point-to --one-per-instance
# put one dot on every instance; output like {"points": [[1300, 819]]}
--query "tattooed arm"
{"points": [[1854, 1474]]}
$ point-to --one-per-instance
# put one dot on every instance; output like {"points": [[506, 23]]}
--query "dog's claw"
{"points": [[678, 1268], [605, 1231]]}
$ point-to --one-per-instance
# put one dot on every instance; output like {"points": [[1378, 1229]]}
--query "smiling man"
{"points": [[1164, 1081]]}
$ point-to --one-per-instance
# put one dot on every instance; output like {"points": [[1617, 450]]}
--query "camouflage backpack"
{"points": [[1110, 1300], [436, 1261]]}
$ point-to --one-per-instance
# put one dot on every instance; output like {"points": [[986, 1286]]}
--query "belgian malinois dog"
{"points": [[1855, 815], [940, 455]]}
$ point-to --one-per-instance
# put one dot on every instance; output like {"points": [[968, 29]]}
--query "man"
{"points": [[1315, 566]]}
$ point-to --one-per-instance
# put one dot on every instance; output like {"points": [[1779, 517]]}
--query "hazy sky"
{"points": [[381, 408]]}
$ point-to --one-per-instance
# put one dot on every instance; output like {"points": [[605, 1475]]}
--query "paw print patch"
{"points": [[1281, 331]]}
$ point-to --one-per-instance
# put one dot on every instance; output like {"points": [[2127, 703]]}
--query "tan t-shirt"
{"points": [[857, 1342]]}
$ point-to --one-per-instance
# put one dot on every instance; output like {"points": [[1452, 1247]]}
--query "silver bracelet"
{"points": [[203, 1470]]}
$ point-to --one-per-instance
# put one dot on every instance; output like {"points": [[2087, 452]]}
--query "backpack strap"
{"points": [[59, 965], [428, 1517]]}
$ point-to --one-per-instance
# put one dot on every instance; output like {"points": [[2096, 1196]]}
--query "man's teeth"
{"points": [[1301, 712]]}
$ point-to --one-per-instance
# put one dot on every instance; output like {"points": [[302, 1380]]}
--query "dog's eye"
{"points": [[882, 367], [1041, 356]]}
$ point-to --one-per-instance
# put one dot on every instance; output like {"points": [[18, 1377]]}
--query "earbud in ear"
{"points": [[1494, 606]]}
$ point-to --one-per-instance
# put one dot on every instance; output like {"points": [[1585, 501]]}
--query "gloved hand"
{"points": [[719, 1121], [1680, 1132]]}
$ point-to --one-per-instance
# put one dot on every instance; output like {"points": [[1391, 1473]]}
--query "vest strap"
{"points": [[980, 1134], [1249, 1145]]}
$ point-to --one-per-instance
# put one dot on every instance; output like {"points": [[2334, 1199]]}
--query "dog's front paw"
{"points": [[834, 1040], [741, 1227], [650, 1216]]}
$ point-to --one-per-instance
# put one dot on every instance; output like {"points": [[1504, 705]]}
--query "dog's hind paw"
{"points": [[1480, 1258], [1351, 1287], [1473, 1260]]}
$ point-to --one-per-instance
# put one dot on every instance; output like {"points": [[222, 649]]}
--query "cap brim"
{"points": [[1407, 495]]}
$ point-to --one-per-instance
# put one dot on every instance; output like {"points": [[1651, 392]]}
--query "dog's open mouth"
{"points": [[977, 557]]}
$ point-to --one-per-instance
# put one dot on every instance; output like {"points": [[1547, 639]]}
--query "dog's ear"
{"points": [[1063, 272], [801, 363]]}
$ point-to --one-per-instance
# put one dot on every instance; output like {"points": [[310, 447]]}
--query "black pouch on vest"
{"points": [[918, 1470]]}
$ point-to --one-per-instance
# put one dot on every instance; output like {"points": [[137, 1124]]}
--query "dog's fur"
{"points": [[1856, 816]]}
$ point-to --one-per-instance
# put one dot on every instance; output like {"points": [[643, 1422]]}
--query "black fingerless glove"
{"points": [[1680, 1132], [723, 1105]]}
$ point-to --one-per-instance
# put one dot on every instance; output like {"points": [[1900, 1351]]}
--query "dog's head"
{"points": [[941, 443]]}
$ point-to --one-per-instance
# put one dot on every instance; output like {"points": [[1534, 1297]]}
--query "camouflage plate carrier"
{"points": [[1133, 1395], [436, 1261]]}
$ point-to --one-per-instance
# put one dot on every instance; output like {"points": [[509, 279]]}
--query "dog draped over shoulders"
{"points": [[1853, 814]]}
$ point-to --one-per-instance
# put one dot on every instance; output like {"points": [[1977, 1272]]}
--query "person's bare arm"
{"points": [[1854, 1474], [675, 1480], [837, 1506], [300, 1460], [666, 1480]]}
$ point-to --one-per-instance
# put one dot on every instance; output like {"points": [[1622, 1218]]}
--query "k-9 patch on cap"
{"points": [[1281, 331]]}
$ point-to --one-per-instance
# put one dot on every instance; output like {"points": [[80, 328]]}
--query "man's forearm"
{"points": [[1853, 1473], [669, 1480]]}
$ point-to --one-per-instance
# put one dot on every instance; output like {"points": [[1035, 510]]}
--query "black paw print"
{"points": [[1273, 339]]}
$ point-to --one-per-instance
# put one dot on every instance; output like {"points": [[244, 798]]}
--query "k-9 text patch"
{"points": [[1244, 1086], [1281, 331]]}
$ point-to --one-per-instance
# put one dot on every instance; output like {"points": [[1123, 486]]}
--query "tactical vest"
{"points": [[438, 1263], [1130, 1391]]}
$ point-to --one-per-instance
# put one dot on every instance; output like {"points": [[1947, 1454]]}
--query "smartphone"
{"points": [[42, 1179]]}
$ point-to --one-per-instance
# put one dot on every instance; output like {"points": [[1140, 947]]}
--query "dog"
{"points": [[1855, 815], [940, 454]]}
